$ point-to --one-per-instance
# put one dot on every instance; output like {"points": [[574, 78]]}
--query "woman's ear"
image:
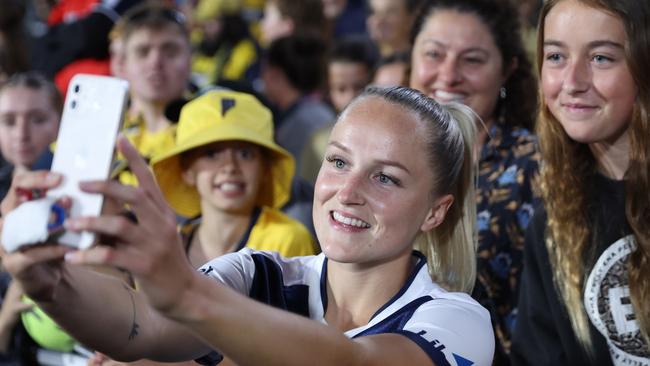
{"points": [[437, 213]]}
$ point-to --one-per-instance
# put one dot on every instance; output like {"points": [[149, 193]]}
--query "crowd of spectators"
{"points": [[252, 90]]}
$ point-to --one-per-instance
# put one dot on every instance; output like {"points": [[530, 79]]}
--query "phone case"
{"points": [[92, 117]]}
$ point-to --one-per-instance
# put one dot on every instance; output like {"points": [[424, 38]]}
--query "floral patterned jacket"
{"points": [[506, 197]]}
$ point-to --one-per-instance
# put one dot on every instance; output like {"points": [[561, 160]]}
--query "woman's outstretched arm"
{"points": [[99, 310], [248, 332]]}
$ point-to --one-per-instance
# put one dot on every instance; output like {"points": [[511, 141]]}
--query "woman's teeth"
{"points": [[349, 221], [445, 96]]}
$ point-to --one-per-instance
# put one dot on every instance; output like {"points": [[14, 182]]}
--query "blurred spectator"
{"points": [[67, 11], [393, 70], [346, 17], [30, 110], [528, 14], [286, 17], [293, 72], [390, 23], [13, 39], [156, 62], [76, 39], [349, 70], [226, 50]]}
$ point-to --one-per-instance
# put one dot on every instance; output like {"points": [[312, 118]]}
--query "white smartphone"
{"points": [[85, 147]]}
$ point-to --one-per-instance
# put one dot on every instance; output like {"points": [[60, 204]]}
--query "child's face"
{"points": [[227, 175], [346, 81]]}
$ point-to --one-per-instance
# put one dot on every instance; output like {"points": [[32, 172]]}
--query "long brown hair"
{"points": [[569, 165]]}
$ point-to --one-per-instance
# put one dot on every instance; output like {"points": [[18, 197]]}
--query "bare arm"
{"points": [[83, 300], [99, 359], [136, 330], [251, 333]]}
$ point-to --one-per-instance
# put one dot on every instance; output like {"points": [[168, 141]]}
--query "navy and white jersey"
{"points": [[451, 328]]}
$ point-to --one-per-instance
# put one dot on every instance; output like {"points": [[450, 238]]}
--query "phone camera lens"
{"points": [[77, 88], [73, 105]]}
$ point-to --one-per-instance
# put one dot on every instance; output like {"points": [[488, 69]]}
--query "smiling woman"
{"points": [[368, 179], [384, 189], [470, 51], [585, 289]]}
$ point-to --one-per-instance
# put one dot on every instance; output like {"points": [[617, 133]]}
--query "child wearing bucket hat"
{"points": [[229, 176]]}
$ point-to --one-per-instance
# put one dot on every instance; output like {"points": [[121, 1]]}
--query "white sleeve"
{"points": [[452, 332], [235, 270]]}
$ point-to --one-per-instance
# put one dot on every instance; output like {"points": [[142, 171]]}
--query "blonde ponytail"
{"points": [[451, 247]]}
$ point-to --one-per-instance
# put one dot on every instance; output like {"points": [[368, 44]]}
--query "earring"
{"points": [[503, 92]]}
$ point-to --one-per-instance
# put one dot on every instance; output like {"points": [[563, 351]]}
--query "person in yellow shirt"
{"points": [[227, 174], [155, 58], [224, 48]]}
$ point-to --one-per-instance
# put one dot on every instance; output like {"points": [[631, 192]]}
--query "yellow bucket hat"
{"points": [[223, 115]]}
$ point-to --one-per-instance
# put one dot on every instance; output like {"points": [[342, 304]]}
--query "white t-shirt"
{"points": [[450, 327]]}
